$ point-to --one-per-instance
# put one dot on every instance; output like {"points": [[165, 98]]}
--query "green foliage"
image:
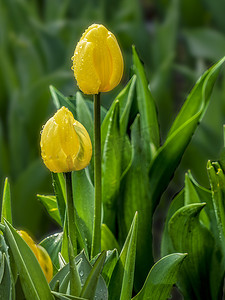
{"points": [[195, 224]]}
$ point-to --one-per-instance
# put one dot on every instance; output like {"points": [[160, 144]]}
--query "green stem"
{"points": [[96, 239], [75, 285]]}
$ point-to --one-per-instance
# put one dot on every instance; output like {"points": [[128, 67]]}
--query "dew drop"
{"points": [[81, 273]]}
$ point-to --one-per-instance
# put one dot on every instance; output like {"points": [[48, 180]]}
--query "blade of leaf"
{"points": [[191, 196], [60, 193], [121, 282], [53, 244], [135, 196], [6, 212], [161, 278], [88, 290], [5, 279], [170, 154], [60, 100], [111, 168], [83, 195], [32, 278], [190, 236], [84, 269], [108, 240], [61, 296], [147, 109], [51, 205]]}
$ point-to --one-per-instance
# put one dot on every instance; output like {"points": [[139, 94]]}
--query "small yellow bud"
{"points": [[40, 253], [65, 143], [97, 61]]}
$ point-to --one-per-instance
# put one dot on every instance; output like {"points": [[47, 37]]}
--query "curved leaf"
{"points": [[161, 278], [33, 281], [189, 235], [170, 154]]}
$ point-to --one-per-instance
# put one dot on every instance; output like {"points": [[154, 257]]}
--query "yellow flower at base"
{"points": [[97, 61], [65, 143], [40, 253]]}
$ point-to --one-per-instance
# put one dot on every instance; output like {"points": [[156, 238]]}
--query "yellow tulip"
{"points": [[65, 143], [45, 263], [40, 253], [97, 61]]}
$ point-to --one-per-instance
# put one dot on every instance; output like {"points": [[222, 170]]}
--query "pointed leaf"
{"points": [[147, 109], [111, 168], [53, 244], [88, 290], [169, 155], [6, 203], [108, 240], [51, 205], [5, 279], [121, 282], [60, 193], [32, 278], [83, 195], [61, 296], [190, 236], [191, 196], [161, 278], [60, 100], [135, 196]]}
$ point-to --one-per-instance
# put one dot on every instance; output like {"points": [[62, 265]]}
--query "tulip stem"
{"points": [[96, 239], [75, 286]]}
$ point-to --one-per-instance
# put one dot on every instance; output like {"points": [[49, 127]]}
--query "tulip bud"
{"points": [[40, 253], [97, 61], [65, 143]]}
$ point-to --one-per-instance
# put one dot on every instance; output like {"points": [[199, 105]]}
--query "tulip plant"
{"points": [[104, 204]]}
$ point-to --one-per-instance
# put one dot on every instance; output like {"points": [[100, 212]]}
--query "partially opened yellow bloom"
{"points": [[97, 61], [41, 255], [65, 143]]}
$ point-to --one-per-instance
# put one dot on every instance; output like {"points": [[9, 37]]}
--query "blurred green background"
{"points": [[177, 41]]}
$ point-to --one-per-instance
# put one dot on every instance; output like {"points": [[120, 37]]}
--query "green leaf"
{"points": [[5, 279], [191, 196], [147, 109], [111, 168], [61, 296], [121, 282], [60, 100], [32, 278], [84, 269], [108, 240], [135, 196], [161, 278], [190, 236], [109, 265], [59, 276], [6, 212], [217, 182], [88, 290], [83, 197], [84, 115], [125, 99], [169, 155], [51, 205], [60, 193], [53, 244], [166, 243]]}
